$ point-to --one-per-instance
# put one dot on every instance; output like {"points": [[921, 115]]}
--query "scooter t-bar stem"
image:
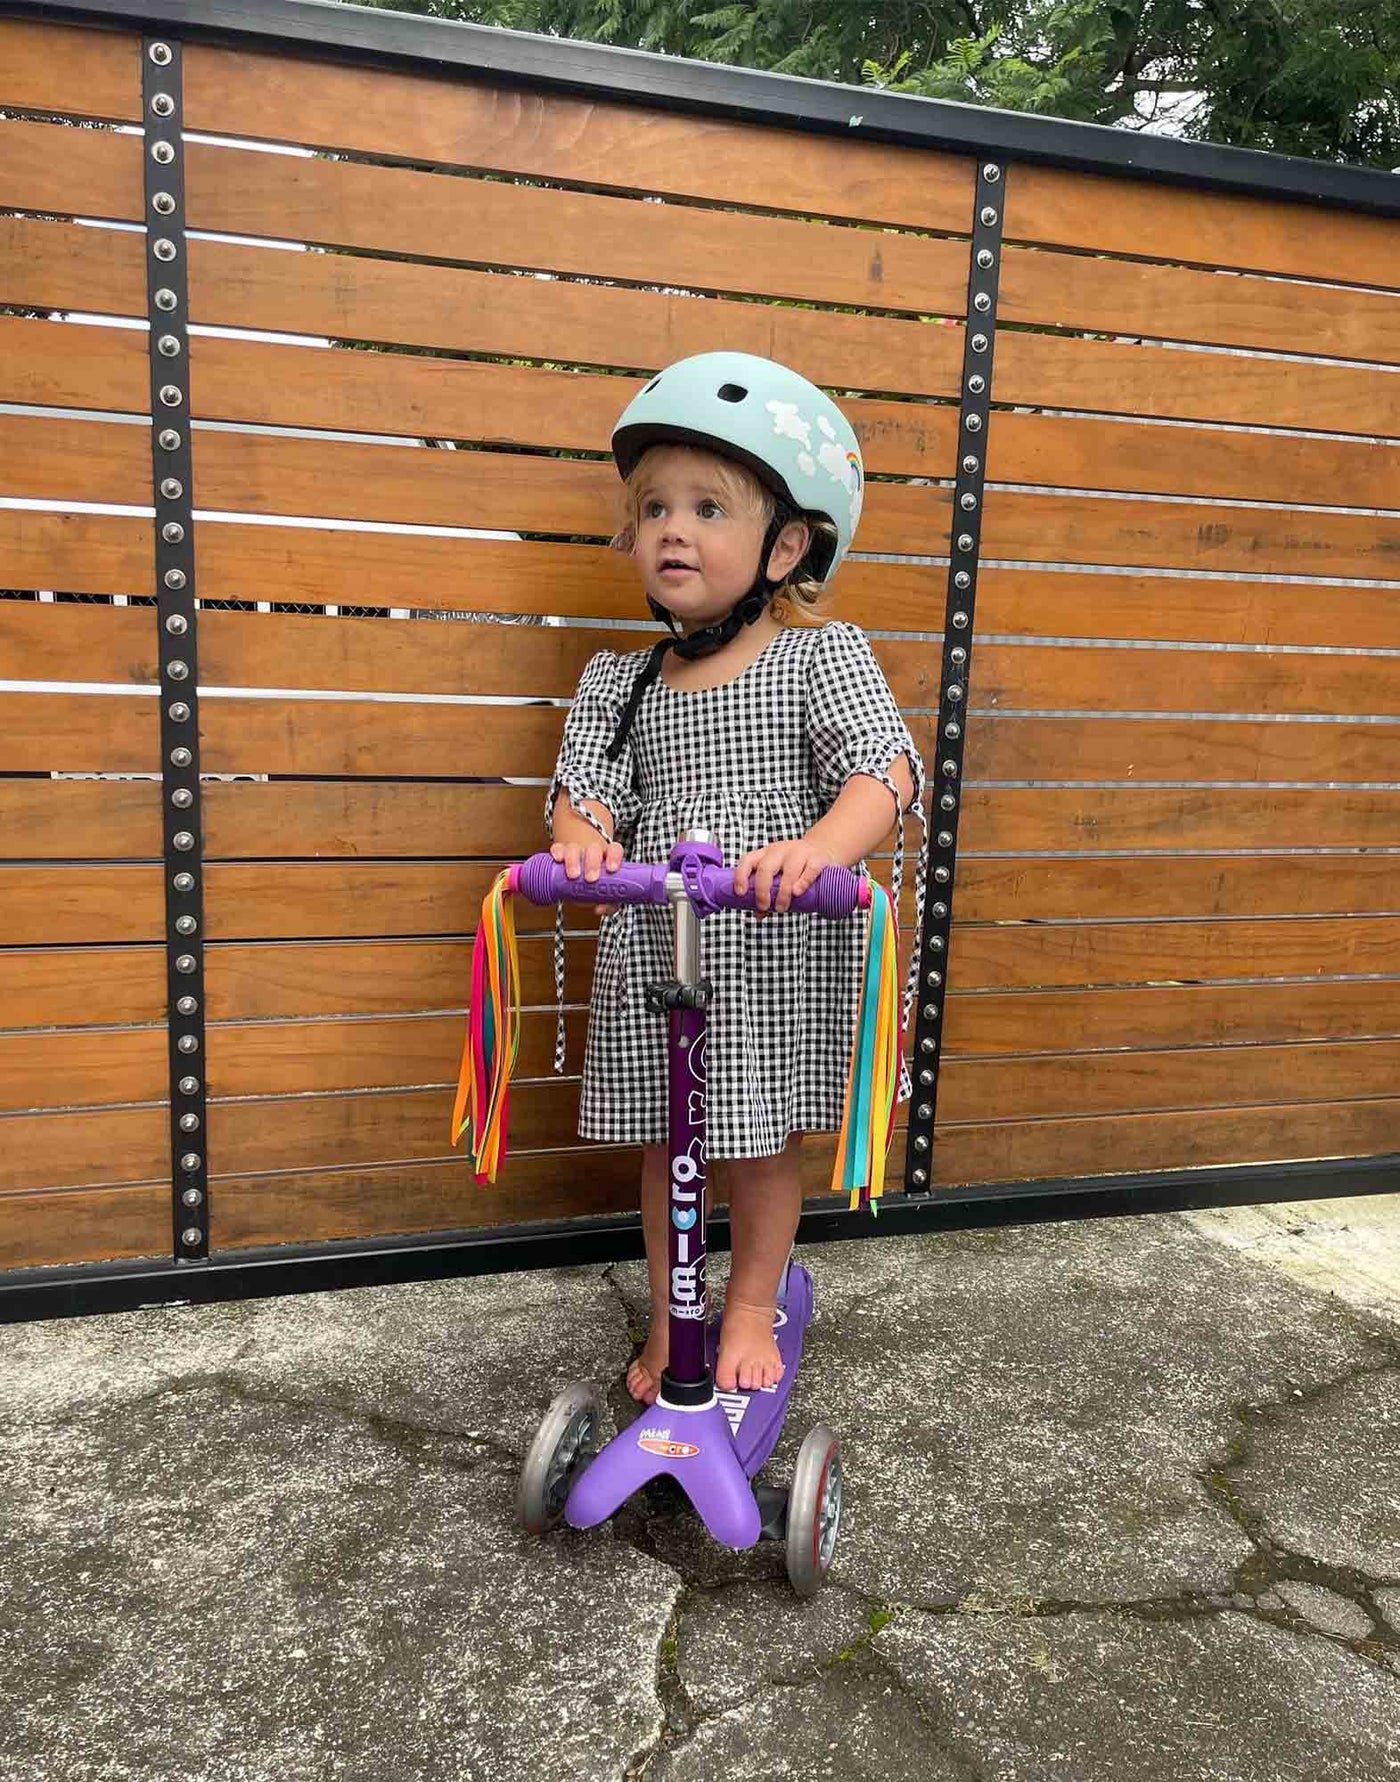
{"points": [[835, 893]]}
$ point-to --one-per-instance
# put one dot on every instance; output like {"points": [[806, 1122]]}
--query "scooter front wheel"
{"points": [[564, 1444], [814, 1510]]}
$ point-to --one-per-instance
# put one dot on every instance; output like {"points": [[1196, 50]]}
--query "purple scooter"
{"points": [[711, 1443]]}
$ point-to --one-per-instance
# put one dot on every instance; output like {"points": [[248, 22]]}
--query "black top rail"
{"points": [[600, 71]]}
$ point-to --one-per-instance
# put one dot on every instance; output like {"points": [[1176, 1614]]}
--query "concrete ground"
{"points": [[1123, 1505]]}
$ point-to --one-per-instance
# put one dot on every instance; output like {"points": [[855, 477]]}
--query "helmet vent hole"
{"points": [[731, 392]]}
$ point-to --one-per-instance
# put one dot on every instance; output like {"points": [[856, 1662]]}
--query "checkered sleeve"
{"points": [[583, 770], [852, 720]]}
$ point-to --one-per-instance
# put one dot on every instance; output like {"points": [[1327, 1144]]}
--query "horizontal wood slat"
{"points": [[45, 905], [105, 554], [411, 117], [82, 1068], [1171, 1015], [395, 210], [50, 67], [1036, 1149], [1147, 1082], [51, 641], [52, 265], [78, 733], [1158, 221], [89, 1225], [1059, 371], [84, 1149], [53, 167], [1075, 818], [81, 986], [1042, 956], [43, 819], [1177, 303]]}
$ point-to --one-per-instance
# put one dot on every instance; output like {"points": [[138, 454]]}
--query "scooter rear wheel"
{"points": [[814, 1510], [564, 1444]]}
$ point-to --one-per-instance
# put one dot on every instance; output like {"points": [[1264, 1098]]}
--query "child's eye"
{"points": [[710, 510], [652, 510]]}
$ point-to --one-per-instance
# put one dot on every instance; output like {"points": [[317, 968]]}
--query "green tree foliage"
{"points": [[1301, 77]]}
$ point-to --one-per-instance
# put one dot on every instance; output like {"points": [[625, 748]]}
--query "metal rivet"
{"points": [[189, 1085], [179, 712], [930, 1011], [164, 248], [186, 925], [173, 533], [189, 1123], [186, 963], [168, 440], [177, 624], [945, 838], [973, 423], [182, 757], [920, 1142], [982, 302], [920, 1177], [184, 841], [178, 670], [187, 1041], [175, 578], [924, 1111], [171, 395], [928, 1045], [940, 911], [962, 579], [948, 802], [942, 874], [183, 881], [988, 215], [192, 1237], [192, 1197], [182, 798], [966, 541], [977, 383], [979, 343], [933, 979], [926, 1078], [971, 465], [950, 770], [163, 152], [967, 501], [188, 1005], [162, 105], [168, 346], [985, 258], [960, 620], [163, 203], [172, 488], [955, 692], [991, 173], [160, 54], [957, 655], [936, 942], [190, 1160], [952, 730], [165, 298]]}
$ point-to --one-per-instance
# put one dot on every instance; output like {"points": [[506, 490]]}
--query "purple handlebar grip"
{"points": [[837, 891]]}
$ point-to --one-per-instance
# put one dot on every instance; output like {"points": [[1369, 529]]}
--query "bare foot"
{"points": [[748, 1351], [644, 1375]]}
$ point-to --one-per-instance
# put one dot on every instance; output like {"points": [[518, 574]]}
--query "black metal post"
{"points": [[965, 543], [167, 309]]}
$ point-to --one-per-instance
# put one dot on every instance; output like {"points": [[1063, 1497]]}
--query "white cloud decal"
{"points": [[789, 423]]}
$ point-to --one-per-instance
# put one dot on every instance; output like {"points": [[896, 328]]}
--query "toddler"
{"points": [[778, 735]]}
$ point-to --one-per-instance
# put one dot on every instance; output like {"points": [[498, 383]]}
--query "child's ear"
{"points": [[624, 541], [789, 549]]}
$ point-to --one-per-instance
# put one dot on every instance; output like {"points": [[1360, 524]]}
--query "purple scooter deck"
{"points": [[756, 1418]]}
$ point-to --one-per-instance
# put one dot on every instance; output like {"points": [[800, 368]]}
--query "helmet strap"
{"points": [[711, 638]]}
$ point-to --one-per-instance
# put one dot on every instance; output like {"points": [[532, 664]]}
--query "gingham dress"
{"points": [[756, 760]]}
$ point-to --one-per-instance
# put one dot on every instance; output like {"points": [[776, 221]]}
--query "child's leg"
{"points": [[765, 1202], [644, 1375]]}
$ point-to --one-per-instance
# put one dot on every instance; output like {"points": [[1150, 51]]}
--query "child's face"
{"points": [[699, 534]]}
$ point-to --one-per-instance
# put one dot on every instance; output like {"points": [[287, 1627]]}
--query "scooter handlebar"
{"points": [[836, 892]]}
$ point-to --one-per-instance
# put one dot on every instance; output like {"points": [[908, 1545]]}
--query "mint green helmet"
{"points": [[786, 431]]}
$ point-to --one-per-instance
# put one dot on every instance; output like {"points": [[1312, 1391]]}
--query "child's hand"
{"points": [[589, 860], [799, 862]]}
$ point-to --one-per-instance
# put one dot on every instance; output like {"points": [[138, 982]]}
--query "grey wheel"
{"points": [[564, 1444], [814, 1510]]}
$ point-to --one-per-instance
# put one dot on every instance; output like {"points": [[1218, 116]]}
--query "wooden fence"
{"points": [[1177, 929]]}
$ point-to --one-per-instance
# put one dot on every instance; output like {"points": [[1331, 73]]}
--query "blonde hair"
{"points": [[799, 599]]}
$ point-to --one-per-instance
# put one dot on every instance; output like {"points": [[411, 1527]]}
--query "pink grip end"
{"points": [[863, 895], [513, 878]]}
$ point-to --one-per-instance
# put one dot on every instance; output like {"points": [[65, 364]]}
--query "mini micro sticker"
{"points": [[668, 1450]]}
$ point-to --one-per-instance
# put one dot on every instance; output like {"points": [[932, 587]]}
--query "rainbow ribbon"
{"points": [[873, 1080], [482, 1108]]}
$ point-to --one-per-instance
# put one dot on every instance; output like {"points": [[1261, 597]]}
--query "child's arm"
{"points": [[577, 842], [856, 822]]}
